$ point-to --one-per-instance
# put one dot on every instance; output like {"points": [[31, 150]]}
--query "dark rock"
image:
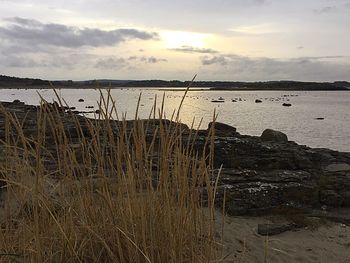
{"points": [[260, 174], [258, 101], [221, 126], [53, 107], [319, 118], [286, 104], [274, 229], [335, 215], [81, 100], [272, 135], [222, 129], [338, 167], [331, 198], [252, 192], [346, 198]]}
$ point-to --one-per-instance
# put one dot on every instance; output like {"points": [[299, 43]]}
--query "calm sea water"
{"points": [[298, 121]]}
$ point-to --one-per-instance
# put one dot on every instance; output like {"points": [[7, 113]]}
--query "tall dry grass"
{"points": [[99, 190]]}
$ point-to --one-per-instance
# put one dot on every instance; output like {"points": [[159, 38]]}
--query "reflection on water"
{"points": [[239, 109]]}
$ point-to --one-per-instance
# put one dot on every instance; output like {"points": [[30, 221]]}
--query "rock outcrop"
{"points": [[259, 175]]}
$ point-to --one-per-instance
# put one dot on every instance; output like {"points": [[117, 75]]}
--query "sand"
{"points": [[329, 242]]}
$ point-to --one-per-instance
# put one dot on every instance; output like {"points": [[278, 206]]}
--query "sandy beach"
{"points": [[330, 242]]}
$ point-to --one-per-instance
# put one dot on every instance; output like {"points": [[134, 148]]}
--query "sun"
{"points": [[177, 39]]}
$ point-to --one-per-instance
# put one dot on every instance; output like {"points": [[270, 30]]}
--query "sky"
{"points": [[236, 40]]}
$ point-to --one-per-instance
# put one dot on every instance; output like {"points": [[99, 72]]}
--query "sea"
{"points": [[319, 119]]}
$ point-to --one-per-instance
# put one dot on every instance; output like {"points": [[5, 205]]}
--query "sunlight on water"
{"points": [[299, 121]]}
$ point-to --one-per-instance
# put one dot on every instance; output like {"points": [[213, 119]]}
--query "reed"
{"points": [[105, 190]]}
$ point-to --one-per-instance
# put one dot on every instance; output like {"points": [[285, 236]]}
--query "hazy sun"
{"points": [[176, 39]]}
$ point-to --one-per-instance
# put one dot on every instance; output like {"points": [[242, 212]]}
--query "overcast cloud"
{"points": [[33, 32], [189, 49], [247, 68], [223, 39]]}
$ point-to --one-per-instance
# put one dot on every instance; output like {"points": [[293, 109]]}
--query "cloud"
{"points": [[119, 62], [319, 58], [231, 66], [222, 60], [190, 49], [111, 63], [154, 60], [13, 61], [35, 33], [262, 29], [151, 60], [68, 61], [225, 59], [260, 1], [326, 9]]}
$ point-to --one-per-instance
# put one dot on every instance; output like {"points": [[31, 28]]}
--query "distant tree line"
{"points": [[14, 82]]}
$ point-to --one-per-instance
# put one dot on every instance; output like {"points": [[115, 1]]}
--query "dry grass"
{"points": [[126, 192]]}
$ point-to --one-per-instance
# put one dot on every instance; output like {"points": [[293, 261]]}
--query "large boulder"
{"points": [[274, 136], [222, 129]]}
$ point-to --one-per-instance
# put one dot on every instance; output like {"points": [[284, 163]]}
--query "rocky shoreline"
{"points": [[258, 175]]}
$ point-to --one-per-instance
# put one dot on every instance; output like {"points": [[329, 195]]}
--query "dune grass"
{"points": [[104, 190]]}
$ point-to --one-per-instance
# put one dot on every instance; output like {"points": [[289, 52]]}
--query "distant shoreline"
{"points": [[237, 89], [7, 82], [174, 89]]}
